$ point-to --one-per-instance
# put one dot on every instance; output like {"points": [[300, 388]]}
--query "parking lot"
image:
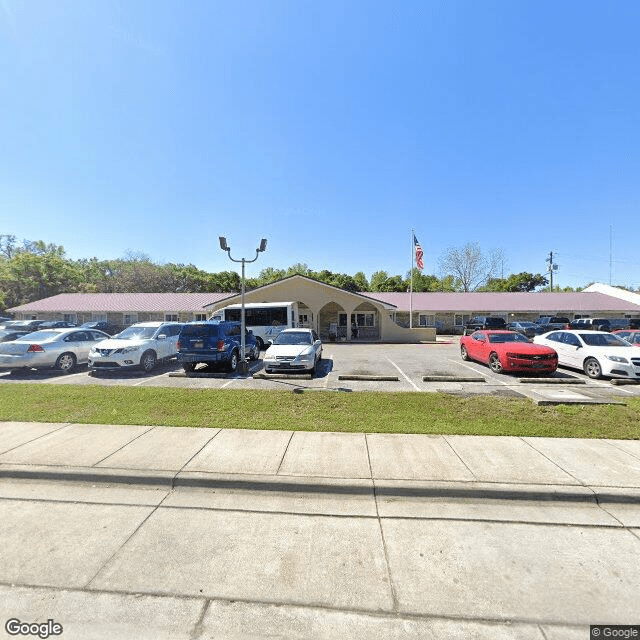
{"points": [[366, 367]]}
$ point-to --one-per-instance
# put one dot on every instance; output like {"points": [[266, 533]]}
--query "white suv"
{"points": [[140, 345]]}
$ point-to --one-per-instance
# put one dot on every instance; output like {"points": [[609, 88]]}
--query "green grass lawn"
{"points": [[316, 411]]}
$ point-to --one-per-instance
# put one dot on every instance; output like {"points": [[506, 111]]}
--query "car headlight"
{"points": [[307, 354], [129, 349], [269, 356], [618, 359]]}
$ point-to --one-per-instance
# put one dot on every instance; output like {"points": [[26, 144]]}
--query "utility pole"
{"points": [[552, 267]]}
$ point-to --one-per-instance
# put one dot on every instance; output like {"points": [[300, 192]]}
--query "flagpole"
{"points": [[411, 285]]}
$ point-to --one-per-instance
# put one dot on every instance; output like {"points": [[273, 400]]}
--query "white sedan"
{"points": [[294, 350], [596, 353]]}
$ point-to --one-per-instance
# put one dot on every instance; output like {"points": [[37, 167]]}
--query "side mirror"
{"points": [[269, 341], [317, 343]]}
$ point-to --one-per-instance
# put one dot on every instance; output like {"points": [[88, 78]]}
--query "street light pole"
{"points": [[242, 365]]}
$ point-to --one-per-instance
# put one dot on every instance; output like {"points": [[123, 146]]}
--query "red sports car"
{"points": [[630, 335], [508, 351]]}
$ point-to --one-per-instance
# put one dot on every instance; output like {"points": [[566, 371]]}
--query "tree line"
{"points": [[32, 270]]}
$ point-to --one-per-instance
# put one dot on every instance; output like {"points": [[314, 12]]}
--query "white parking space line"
{"points": [[326, 378], [68, 376], [404, 375], [484, 372], [227, 383], [137, 384]]}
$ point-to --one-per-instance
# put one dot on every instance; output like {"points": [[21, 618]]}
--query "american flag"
{"points": [[419, 254]]}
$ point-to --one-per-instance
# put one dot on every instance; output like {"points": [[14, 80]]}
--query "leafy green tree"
{"points": [[516, 282]]}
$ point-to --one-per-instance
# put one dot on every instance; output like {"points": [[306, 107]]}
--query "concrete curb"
{"points": [[197, 374], [551, 403]]}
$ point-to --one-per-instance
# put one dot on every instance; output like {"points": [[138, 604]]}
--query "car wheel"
{"points": [[66, 362], [494, 363], [233, 362], [254, 354], [464, 354], [148, 361], [260, 343], [592, 368], [188, 366]]}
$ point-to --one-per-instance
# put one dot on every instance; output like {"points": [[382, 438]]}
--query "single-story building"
{"points": [[379, 316]]}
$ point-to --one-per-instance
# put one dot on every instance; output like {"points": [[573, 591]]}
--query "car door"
{"points": [[478, 345], [79, 343], [168, 347], [572, 348]]}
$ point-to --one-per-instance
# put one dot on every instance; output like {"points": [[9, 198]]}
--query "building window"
{"points": [[171, 317], [200, 317], [361, 319], [71, 317], [99, 317], [130, 318], [303, 320], [425, 320], [460, 320]]}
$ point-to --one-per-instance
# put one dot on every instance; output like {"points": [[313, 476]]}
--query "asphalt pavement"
{"points": [[120, 531]]}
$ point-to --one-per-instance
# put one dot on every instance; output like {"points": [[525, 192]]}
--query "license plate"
{"points": [[538, 365], [198, 345]]}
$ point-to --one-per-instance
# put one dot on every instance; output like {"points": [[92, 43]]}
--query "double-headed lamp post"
{"points": [[242, 366]]}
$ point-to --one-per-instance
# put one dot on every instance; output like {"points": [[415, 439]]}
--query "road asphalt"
{"points": [[120, 531]]}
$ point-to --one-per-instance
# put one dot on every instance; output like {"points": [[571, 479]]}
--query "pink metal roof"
{"points": [[122, 302], [516, 302]]}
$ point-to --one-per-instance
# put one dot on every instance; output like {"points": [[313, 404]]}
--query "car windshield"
{"points": [[602, 340], [506, 337], [293, 337], [41, 336], [137, 333]]}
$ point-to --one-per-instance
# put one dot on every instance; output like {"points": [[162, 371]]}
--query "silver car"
{"points": [[60, 349], [294, 350]]}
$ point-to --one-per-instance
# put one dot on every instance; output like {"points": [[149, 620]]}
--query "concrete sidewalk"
{"points": [[160, 532]]}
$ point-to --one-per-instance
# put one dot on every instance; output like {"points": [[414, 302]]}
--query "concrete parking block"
{"points": [[61, 544], [414, 457], [242, 451], [78, 444], [161, 448], [242, 620], [507, 459], [96, 616], [13, 434], [332, 455], [286, 494], [490, 501], [592, 462], [291, 559], [519, 572]]}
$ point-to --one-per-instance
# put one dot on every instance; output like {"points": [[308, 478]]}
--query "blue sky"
{"points": [[330, 128]]}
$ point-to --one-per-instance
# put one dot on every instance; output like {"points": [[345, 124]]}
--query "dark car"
{"points": [[552, 323], [214, 343], [8, 335], [57, 324], [102, 325], [484, 322], [525, 327]]}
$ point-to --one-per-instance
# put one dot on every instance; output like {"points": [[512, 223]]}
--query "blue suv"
{"points": [[214, 343]]}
